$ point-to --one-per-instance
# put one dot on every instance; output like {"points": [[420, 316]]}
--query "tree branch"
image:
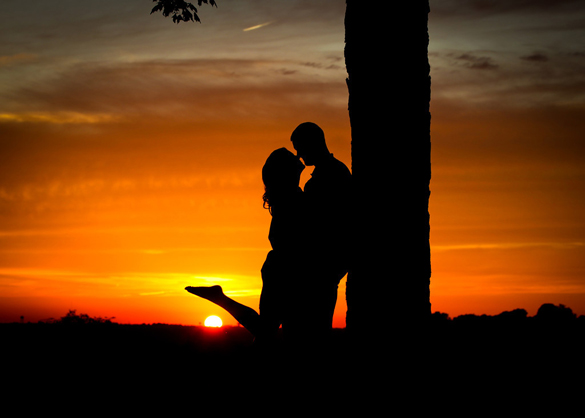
{"points": [[180, 10]]}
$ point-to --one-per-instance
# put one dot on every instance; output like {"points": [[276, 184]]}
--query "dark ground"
{"points": [[468, 360]]}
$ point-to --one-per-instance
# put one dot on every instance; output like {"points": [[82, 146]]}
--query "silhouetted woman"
{"points": [[284, 263]]}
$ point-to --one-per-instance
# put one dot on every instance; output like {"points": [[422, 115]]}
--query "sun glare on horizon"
{"points": [[213, 321]]}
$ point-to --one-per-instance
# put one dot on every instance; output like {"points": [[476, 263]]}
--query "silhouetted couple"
{"points": [[309, 253]]}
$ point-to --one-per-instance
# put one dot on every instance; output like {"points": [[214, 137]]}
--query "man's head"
{"points": [[309, 141]]}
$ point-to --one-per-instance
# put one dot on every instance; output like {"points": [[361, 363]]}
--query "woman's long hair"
{"points": [[280, 175]]}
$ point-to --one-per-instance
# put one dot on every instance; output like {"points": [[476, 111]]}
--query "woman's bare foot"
{"points": [[211, 293]]}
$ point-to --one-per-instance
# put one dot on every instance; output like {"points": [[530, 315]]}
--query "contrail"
{"points": [[257, 26]]}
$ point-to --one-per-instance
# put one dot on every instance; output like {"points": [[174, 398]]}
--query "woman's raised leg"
{"points": [[248, 317]]}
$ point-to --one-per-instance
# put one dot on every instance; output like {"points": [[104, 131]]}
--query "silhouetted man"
{"points": [[327, 195]]}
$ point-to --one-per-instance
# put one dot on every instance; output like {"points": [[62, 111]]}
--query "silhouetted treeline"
{"points": [[510, 351], [552, 330], [548, 312]]}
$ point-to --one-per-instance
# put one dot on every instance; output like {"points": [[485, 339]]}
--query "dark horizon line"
{"points": [[546, 311]]}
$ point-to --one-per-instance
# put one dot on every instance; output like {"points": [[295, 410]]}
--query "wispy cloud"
{"points": [[152, 293], [59, 118], [8, 60], [485, 9], [171, 89], [49, 282], [477, 63], [509, 246], [535, 57]]}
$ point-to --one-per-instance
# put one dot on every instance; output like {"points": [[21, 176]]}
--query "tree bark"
{"points": [[386, 56]]}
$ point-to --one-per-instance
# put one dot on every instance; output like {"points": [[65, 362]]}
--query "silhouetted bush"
{"points": [[514, 315], [440, 317], [72, 318], [551, 313]]}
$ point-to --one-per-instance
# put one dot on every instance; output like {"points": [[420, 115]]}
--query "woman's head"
{"points": [[281, 175]]}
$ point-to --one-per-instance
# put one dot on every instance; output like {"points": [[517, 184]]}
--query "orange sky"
{"points": [[131, 151]]}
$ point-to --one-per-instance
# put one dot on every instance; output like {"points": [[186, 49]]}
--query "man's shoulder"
{"points": [[333, 175], [339, 167]]}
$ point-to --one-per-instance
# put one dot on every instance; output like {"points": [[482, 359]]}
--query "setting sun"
{"points": [[213, 321]]}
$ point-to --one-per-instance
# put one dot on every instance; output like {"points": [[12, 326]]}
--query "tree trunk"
{"points": [[386, 56]]}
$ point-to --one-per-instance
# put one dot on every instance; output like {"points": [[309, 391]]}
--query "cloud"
{"points": [[521, 5], [206, 88], [326, 66], [51, 283], [58, 118], [10, 60], [507, 81], [488, 8], [152, 293], [504, 27], [510, 246], [535, 57], [476, 63]]}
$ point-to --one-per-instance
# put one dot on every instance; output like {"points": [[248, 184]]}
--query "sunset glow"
{"points": [[132, 148]]}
